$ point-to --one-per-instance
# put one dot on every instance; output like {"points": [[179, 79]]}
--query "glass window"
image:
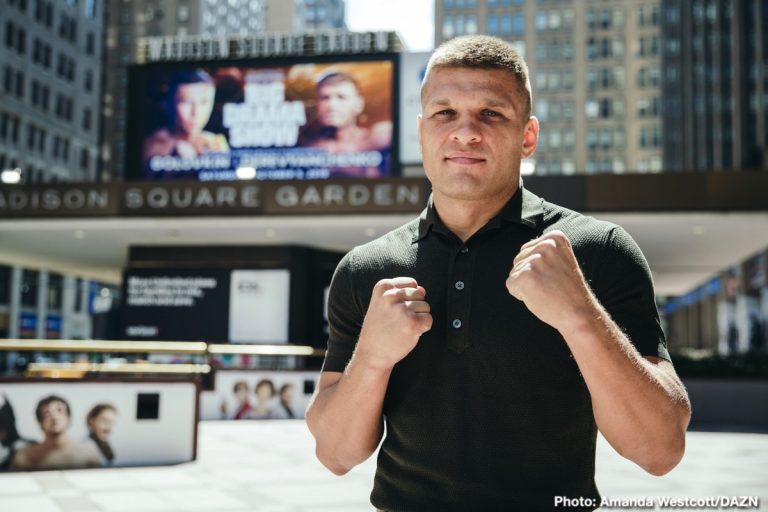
{"points": [[567, 15], [554, 111], [606, 137], [541, 80], [618, 18], [29, 284], [569, 138], [542, 110], [554, 20], [568, 79], [459, 24], [55, 285], [567, 110], [618, 76], [592, 138], [554, 50], [541, 52], [506, 23], [554, 80], [471, 24], [554, 138], [447, 27], [618, 137], [567, 51], [493, 24], [518, 24], [541, 20]]}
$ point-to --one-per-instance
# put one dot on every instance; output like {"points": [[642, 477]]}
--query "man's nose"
{"points": [[466, 131]]}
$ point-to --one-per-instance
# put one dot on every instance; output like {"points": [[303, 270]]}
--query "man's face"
{"points": [[472, 133], [194, 104], [101, 425], [339, 104], [54, 419]]}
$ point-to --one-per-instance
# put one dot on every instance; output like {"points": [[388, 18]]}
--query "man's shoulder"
{"points": [[392, 248], [584, 231]]}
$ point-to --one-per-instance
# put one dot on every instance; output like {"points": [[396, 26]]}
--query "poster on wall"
{"points": [[273, 119], [212, 305], [258, 394], [92, 424], [176, 304], [259, 306]]}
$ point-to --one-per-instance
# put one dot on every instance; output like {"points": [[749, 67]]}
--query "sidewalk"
{"points": [[269, 466]]}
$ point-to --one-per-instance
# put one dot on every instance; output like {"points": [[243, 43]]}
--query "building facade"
{"points": [[129, 21], [593, 65], [715, 84], [50, 88]]}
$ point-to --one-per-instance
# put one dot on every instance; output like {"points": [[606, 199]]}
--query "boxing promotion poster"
{"points": [[70, 425], [265, 122]]}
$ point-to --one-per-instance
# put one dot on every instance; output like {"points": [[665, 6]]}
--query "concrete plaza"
{"points": [[269, 466]]}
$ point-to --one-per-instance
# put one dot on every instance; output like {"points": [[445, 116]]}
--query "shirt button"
{"points": [[464, 250], [456, 323], [459, 285]]}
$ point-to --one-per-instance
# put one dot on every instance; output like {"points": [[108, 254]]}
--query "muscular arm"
{"points": [[345, 415], [639, 404]]}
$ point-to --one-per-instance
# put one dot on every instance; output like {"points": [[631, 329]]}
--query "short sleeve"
{"points": [[345, 317], [625, 290]]}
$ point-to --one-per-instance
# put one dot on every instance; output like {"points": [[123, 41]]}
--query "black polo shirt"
{"points": [[489, 411]]}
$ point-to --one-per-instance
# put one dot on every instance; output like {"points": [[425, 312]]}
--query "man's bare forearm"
{"points": [[346, 417], [641, 407]]}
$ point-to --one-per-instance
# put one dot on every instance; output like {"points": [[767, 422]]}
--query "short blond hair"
{"points": [[483, 52]]}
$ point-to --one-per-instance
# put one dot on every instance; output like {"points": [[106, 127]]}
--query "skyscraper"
{"points": [[715, 84], [595, 75], [50, 88]]}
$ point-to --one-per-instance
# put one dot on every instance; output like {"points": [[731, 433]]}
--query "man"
{"points": [[339, 105], [191, 103], [57, 450], [497, 332]]}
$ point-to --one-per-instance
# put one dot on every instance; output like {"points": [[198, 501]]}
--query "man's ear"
{"points": [[530, 137]]}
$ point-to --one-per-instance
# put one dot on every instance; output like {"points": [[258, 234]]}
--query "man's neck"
{"points": [[465, 217], [56, 440]]}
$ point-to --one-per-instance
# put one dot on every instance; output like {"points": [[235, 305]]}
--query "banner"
{"points": [[258, 394], [88, 424], [230, 121]]}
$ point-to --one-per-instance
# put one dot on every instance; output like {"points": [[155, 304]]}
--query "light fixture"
{"points": [[245, 173], [11, 176]]}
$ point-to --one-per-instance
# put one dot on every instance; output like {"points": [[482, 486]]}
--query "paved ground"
{"points": [[270, 467]]}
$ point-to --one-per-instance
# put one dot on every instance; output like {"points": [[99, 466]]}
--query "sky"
{"points": [[414, 19]]}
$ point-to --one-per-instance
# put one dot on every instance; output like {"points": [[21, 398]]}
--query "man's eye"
{"points": [[491, 113], [446, 112]]}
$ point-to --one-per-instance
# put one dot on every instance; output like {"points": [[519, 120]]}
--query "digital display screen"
{"points": [[262, 119]]}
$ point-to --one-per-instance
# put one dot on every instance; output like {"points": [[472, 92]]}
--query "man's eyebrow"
{"points": [[491, 102], [445, 102]]}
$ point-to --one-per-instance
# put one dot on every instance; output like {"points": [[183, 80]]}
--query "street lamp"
{"points": [[10, 176]]}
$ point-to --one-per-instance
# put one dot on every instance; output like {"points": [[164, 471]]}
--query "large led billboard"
{"points": [[265, 119]]}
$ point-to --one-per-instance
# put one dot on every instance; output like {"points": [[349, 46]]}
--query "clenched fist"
{"points": [[397, 316], [547, 278]]}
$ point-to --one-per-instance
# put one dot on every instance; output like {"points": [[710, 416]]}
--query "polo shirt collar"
{"points": [[524, 208]]}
